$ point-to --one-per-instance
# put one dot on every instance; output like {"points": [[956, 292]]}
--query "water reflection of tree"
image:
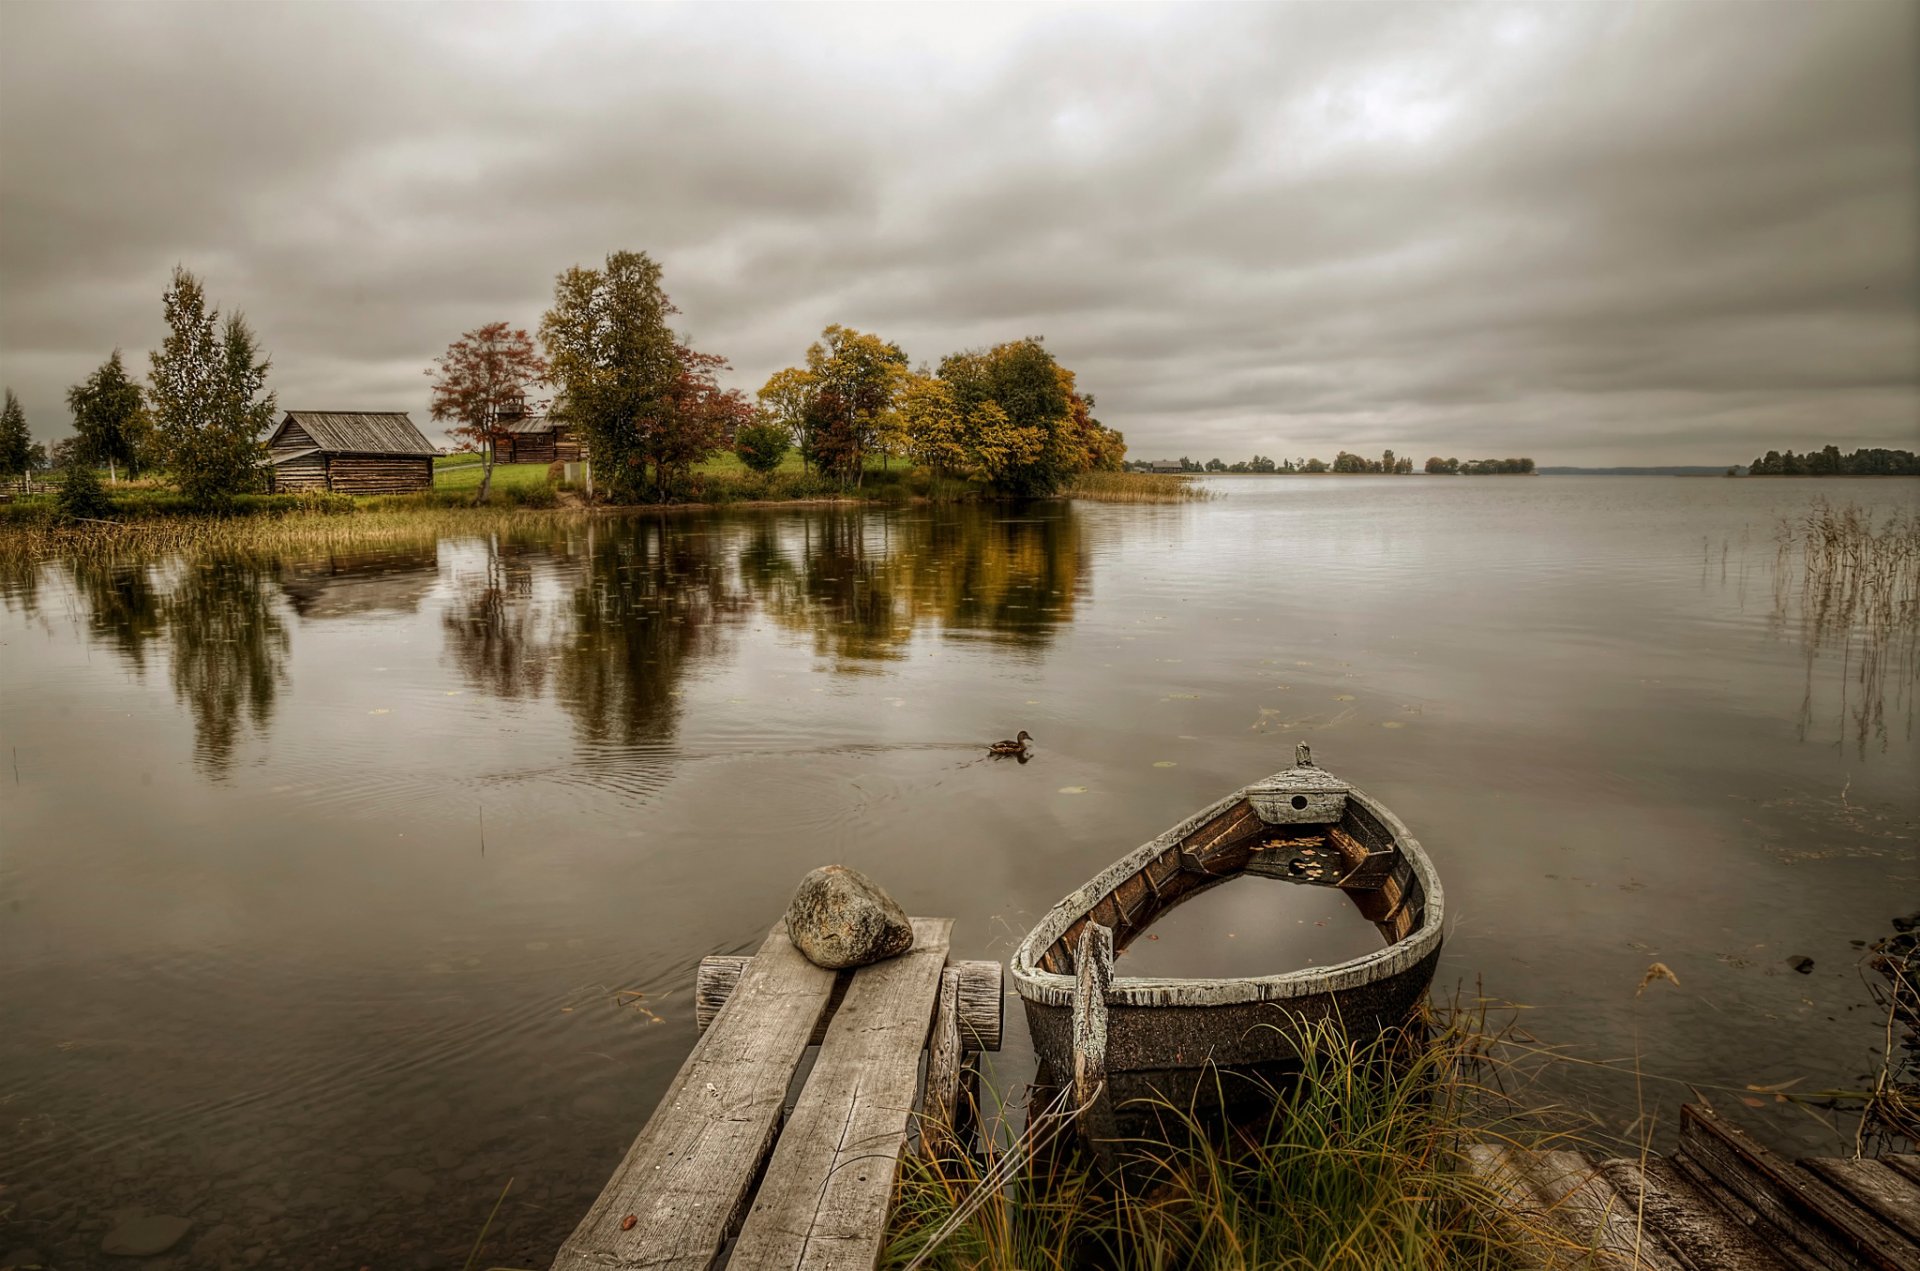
{"points": [[654, 597], [229, 648], [497, 633], [860, 584], [125, 609]]}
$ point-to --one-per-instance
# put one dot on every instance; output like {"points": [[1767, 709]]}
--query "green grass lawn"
{"points": [[462, 472]]}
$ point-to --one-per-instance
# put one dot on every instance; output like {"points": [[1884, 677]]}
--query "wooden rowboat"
{"points": [[1117, 1039]]}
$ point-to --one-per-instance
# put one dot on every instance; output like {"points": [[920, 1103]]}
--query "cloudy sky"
{"points": [[1592, 233]]}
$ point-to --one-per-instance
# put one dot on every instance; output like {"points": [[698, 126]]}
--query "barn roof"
{"points": [[533, 423], [360, 432]]}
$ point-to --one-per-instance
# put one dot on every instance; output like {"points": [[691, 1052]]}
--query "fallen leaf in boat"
{"points": [[629, 1222], [1151, 936], [1165, 763], [380, 711], [1752, 1102], [1658, 971], [1073, 789]]}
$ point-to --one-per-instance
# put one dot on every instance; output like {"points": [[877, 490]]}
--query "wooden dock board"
{"points": [[824, 1201], [1876, 1188], [1837, 1232], [1701, 1234], [687, 1175]]}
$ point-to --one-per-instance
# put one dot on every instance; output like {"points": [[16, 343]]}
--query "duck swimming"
{"points": [[1017, 746]]}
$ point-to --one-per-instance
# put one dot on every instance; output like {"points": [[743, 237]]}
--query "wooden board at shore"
{"points": [[688, 1175], [824, 1201]]}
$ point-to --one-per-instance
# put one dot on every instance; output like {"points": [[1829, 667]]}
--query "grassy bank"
{"points": [[1356, 1167]]}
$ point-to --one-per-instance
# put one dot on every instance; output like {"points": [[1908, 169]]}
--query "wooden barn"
{"points": [[349, 452], [539, 439]]}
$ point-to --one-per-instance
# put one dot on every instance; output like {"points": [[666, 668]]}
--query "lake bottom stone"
{"points": [[840, 918], [144, 1235]]}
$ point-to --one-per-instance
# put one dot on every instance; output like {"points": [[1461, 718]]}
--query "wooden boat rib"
{"points": [[1303, 825]]}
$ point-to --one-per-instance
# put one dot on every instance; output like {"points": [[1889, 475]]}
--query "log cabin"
{"points": [[349, 452], [539, 439]]}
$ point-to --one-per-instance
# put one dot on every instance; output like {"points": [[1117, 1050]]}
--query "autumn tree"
{"points": [[938, 432], [480, 384], [649, 405], [16, 442], [854, 377], [209, 398], [1033, 445], [110, 419], [784, 400]]}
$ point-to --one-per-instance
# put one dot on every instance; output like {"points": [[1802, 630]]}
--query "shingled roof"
{"points": [[358, 432]]}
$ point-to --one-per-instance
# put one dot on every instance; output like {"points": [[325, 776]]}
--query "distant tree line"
{"points": [[1479, 467], [1388, 464], [1829, 462]]}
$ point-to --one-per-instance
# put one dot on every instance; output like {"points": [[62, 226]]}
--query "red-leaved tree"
{"points": [[480, 384], [705, 416]]}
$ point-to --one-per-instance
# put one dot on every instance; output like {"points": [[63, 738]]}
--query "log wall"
{"points": [[379, 474], [306, 473]]}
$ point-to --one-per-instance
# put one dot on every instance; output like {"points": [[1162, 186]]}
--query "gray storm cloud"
{"points": [[1592, 234]]}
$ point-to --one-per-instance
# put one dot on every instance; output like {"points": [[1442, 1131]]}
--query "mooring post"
{"points": [[1093, 972]]}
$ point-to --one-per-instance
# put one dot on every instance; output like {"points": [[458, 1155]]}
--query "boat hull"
{"points": [[1188, 1041]]}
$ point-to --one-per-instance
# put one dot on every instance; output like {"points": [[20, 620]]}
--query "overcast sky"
{"points": [[1592, 233]]}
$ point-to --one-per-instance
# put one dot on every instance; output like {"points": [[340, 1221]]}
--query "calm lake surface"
{"points": [[336, 890]]}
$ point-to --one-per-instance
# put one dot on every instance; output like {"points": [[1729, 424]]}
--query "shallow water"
{"points": [[338, 890]]}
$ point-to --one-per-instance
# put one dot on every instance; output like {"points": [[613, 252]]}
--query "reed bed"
{"points": [[1136, 487], [290, 531], [1357, 1166], [1847, 584]]}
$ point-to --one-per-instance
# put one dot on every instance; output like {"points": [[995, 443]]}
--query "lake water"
{"points": [[336, 890]]}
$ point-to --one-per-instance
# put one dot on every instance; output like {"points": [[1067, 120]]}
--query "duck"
{"points": [[1017, 746]]}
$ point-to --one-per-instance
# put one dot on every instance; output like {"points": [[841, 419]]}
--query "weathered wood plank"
{"points": [[940, 1105], [1091, 1091], [1222, 845], [1701, 1234], [1583, 1200], [982, 997], [686, 1177], [1579, 1201], [1903, 1163], [823, 1202], [1782, 1246], [1840, 1235], [1877, 1188]]}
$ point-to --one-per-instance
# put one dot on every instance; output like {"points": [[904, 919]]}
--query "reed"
{"points": [[312, 528], [1136, 487], [1356, 1167], [1847, 584]]}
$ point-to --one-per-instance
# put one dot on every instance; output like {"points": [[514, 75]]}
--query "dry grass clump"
{"points": [[1136, 487], [1357, 1166]]}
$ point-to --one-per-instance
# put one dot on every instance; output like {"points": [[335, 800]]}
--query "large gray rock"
{"points": [[145, 1235], [841, 918]]}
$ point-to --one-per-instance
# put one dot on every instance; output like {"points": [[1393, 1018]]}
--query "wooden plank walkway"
{"points": [[721, 1168], [1723, 1202]]}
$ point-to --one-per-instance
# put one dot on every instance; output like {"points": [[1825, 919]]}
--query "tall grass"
{"points": [[1136, 487], [1356, 1166], [1848, 585]]}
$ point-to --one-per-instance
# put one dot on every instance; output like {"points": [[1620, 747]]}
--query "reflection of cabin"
{"points": [[350, 452], [343, 584], [538, 439]]}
